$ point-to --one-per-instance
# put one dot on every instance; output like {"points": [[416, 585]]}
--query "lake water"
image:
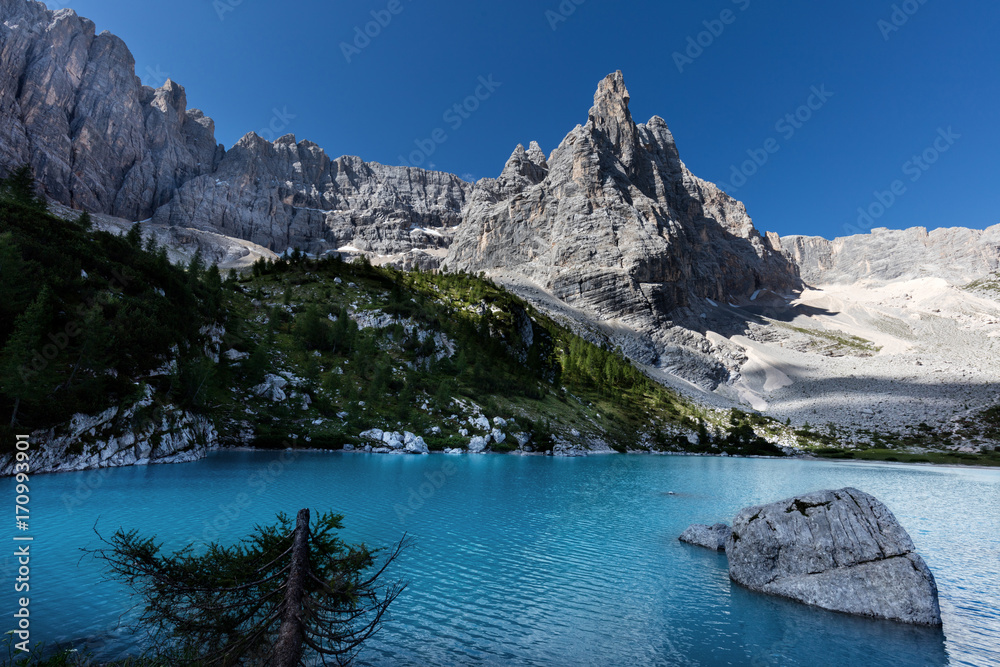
{"points": [[536, 561]]}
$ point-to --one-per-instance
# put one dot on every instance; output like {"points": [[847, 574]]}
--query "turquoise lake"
{"points": [[532, 560]]}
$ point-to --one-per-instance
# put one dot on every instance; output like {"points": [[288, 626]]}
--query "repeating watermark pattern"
{"points": [[223, 7], [913, 169], [454, 116], [699, 43], [556, 17], [899, 17], [365, 34], [86, 485], [419, 495], [154, 77], [257, 484], [281, 119], [787, 126], [22, 546]]}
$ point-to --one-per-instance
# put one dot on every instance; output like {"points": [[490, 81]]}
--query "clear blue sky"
{"points": [[893, 89]]}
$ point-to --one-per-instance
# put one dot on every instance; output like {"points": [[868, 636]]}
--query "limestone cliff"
{"points": [[98, 140], [957, 254], [614, 224], [72, 107], [291, 194]]}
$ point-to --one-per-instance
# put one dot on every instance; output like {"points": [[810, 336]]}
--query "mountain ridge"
{"points": [[611, 233], [69, 83], [99, 140]]}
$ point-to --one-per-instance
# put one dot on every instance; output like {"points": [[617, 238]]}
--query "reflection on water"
{"points": [[536, 561]]}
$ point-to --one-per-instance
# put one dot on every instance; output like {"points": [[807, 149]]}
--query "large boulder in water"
{"points": [[839, 550]]}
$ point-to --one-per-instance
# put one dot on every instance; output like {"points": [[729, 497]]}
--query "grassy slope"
{"points": [[558, 388]]}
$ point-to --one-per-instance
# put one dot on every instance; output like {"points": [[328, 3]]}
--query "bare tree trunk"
{"points": [[288, 648], [13, 417]]}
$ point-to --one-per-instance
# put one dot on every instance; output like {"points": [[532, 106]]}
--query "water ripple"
{"points": [[532, 561]]}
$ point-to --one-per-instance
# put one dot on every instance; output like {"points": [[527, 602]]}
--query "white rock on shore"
{"points": [[112, 439]]}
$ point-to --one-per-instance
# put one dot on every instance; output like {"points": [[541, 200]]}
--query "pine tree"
{"points": [[19, 187], [196, 266], [134, 236], [28, 361], [289, 593], [16, 285]]}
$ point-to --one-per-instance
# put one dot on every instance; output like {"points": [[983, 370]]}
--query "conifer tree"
{"points": [[19, 187], [287, 594], [27, 363]]}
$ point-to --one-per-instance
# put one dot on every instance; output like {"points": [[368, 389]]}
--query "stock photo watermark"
{"points": [[913, 169], [22, 546], [418, 496], [714, 28], [257, 484], [281, 119], [223, 7], [899, 17], [154, 77], [787, 127], [371, 30], [454, 116], [556, 17]]}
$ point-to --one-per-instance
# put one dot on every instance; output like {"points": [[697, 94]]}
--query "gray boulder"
{"points": [[273, 388], [414, 444], [710, 537], [840, 550]]}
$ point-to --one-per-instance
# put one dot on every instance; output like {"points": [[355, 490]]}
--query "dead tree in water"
{"points": [[279, 597]]}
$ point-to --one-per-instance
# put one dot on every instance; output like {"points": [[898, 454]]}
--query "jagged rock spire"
{"points": [[612, 120]]}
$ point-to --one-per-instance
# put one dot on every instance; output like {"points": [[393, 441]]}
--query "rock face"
{"points": [[613, 224], [710, 537], [74, 109], [839, 550], [98, 140], [958, 255], [291, 194], [116, 438]]}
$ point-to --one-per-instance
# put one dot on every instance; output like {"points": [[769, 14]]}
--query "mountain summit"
{"points": [[615, 225]]}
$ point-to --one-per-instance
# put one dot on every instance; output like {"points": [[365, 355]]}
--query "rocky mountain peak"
{"points": [[536, 155], [611, 121], [615, 226], [611, 102], [72, 106], [523, 169]]}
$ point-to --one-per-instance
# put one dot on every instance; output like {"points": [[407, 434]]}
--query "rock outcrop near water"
{"points": [[614, 224], [840, 550], [98, 140], [710, 537], [956, 254], [122, 436]]}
